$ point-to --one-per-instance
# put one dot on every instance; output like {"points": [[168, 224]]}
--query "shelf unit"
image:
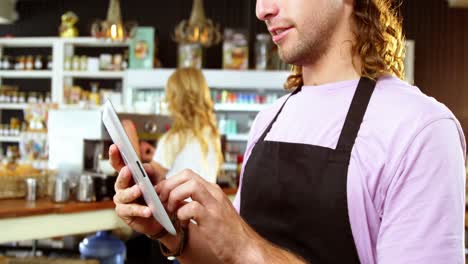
{"points": [[241, 81], [217, 79], [60, 49]]}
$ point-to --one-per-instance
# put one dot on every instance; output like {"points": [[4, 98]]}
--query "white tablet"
{"points": [[119, 137]]}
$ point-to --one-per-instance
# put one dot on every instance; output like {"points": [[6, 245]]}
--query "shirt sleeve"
{"points": [[424, 206]]}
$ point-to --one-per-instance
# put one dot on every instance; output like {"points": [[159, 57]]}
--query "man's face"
{"points": [[301, 29]]}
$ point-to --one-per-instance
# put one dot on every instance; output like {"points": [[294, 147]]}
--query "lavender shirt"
{"points": [[406, 178]]}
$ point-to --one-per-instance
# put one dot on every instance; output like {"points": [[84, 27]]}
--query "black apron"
{"points": [[294, 195]]}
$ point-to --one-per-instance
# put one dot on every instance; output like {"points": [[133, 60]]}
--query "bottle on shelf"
{"points": [[14, 97], [38, 63], [125, 61], [21, 97], [20, 63], [5, 63], [94, 97], [29, 63], [48, 98], [75, 66], [83, 63], [117, 62], [49, 62], [32, 98], [67, 63]]}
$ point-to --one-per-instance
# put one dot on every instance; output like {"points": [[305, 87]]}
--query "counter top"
{"points": [[21, 207]]}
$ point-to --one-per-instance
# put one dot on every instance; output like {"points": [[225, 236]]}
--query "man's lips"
{"points": [[278, 33]]}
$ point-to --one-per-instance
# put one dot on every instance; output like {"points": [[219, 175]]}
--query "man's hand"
{"points": [[216, 219], [137, 216]]}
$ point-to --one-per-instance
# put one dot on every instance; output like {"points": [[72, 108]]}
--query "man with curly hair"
{"points": [[353, 166]]}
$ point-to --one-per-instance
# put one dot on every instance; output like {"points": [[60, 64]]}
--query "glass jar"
{"points": [[190, 55], [263, 50], [84, 63], [235, 50]]}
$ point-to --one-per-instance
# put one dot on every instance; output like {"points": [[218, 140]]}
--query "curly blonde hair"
{"points": [[380, 43], [191, 107]]}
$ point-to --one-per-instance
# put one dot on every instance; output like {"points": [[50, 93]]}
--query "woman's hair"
{"points": [[379, 43], [191, 107]]}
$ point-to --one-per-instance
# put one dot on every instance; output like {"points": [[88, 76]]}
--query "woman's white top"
{"points": [[190, 157]]}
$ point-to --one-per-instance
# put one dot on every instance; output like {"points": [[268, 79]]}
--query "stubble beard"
{"points": [[312, 45]]}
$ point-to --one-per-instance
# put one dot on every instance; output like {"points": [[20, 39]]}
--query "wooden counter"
{"points": [[22, 220]]}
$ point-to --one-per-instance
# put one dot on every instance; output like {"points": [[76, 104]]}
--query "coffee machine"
{"points": [[79, 144]]}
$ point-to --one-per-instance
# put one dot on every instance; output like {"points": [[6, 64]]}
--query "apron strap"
{"points": [[354, 117], [262, 138]]}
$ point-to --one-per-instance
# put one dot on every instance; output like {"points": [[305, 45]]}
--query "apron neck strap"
{"points": [[355, 114], [353, 119], [298, 89]]}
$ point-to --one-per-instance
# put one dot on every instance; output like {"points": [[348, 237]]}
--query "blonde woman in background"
{"points": [[193, 141]]}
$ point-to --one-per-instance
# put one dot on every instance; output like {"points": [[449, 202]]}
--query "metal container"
{"points": [[62, 190], [31, 189], [85, 189]]}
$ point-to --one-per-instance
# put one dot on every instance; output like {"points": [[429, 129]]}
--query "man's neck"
{"points": [[331, 68]]}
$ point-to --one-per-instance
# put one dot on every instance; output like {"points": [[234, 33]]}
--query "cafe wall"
{"points": [[440, 34]]}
